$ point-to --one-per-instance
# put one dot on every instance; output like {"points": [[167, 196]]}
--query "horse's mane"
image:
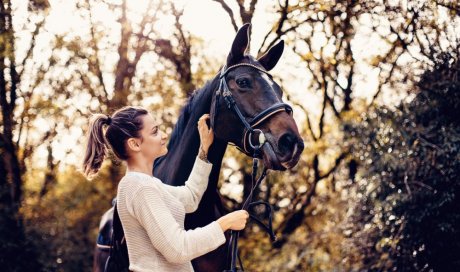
{"points": [[188, 110]]}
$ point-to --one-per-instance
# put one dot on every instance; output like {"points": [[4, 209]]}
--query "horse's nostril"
{"points": [[286, 143]]}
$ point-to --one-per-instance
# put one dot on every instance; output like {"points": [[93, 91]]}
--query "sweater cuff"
{"points": [[201, 167], [217, 234]]}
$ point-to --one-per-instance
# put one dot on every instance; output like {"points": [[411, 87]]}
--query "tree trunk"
{"points": [[17, 254]]}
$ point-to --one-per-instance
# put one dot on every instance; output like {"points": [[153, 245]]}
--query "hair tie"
{"points": [[109, 120]]}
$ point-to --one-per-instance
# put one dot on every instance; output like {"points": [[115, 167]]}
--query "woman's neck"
{"points": [[142, 166]]}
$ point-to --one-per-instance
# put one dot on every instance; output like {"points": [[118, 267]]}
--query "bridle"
{"points": [[249, 131], [249, 126]]}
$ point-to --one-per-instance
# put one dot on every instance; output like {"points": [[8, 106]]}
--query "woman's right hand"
{"points": [[206, 133], [234, 221]]}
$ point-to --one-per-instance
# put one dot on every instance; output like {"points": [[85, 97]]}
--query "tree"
{"points": [[17, 252], [406, 213]]}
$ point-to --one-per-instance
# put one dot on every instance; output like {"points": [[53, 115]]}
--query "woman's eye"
{"points": [[243, 83]]}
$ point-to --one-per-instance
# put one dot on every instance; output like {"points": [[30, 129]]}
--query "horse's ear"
{"points": [[271, 58], [240, 45]]}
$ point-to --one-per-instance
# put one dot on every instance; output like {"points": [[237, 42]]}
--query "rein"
{"points": [[249, 131]]}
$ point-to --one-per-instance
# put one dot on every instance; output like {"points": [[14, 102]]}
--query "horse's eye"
{"points": [[243, 83]]}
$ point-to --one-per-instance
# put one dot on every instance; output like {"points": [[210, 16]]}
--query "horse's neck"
{"points": [[175, 167]]}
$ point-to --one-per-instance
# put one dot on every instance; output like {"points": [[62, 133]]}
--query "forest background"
{"points": [[375, 90]]}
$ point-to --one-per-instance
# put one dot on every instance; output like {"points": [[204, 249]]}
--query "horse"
{"points": [[258, 100]]}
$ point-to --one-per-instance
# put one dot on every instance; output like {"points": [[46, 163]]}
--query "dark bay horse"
{"points": [[254, 91]]}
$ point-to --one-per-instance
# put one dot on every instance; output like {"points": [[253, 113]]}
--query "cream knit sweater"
{"points": [[152, 214]]}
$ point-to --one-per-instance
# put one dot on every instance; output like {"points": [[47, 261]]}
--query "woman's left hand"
{"points": [[206, 133]]}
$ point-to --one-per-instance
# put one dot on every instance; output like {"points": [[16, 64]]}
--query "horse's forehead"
{"points": [[239, 71], [267, 79], [251, 61], [259, 75]]}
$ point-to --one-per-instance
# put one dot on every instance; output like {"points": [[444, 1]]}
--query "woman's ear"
{"points": [[133, 144]]}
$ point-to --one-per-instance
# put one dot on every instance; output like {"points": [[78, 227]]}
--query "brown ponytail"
{"points": [[96, 145], [125, 123]]}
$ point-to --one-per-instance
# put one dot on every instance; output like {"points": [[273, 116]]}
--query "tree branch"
{"points": [[325, 98], [29, 53], [229, 12], [306, 115], [96, 64], [295, 219], [121, 87], [333, 168], [452, 7]]}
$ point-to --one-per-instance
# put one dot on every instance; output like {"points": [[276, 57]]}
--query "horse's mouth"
{"points": [[273, 161], [270, 159]]}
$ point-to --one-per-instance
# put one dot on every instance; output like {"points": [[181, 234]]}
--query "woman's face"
{"points": [[153, 143]]}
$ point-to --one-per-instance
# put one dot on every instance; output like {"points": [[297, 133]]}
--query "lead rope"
{"points": [[233, 252]]}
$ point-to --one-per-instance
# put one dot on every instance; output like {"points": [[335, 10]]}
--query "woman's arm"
{"points": [[190, 194], [175, 244]]}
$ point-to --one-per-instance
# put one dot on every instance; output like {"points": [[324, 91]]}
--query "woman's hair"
{"points": [[125, 123]]}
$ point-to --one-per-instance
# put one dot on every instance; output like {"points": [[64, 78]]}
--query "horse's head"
{"points": [[247, 88]]}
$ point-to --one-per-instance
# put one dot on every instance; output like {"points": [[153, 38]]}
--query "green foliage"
{"points": [[406, 213], [64, 223]]}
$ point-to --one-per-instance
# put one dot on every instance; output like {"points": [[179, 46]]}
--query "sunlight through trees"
{"points": [[375, 91]]}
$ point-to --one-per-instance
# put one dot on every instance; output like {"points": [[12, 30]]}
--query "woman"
{"points": [[152, 213]]}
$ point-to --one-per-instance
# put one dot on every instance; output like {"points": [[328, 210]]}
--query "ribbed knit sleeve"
{"points": [[172, 241], [190, 194]]}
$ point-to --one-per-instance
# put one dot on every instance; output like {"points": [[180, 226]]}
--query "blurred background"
{"points": [[375, 87]]}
